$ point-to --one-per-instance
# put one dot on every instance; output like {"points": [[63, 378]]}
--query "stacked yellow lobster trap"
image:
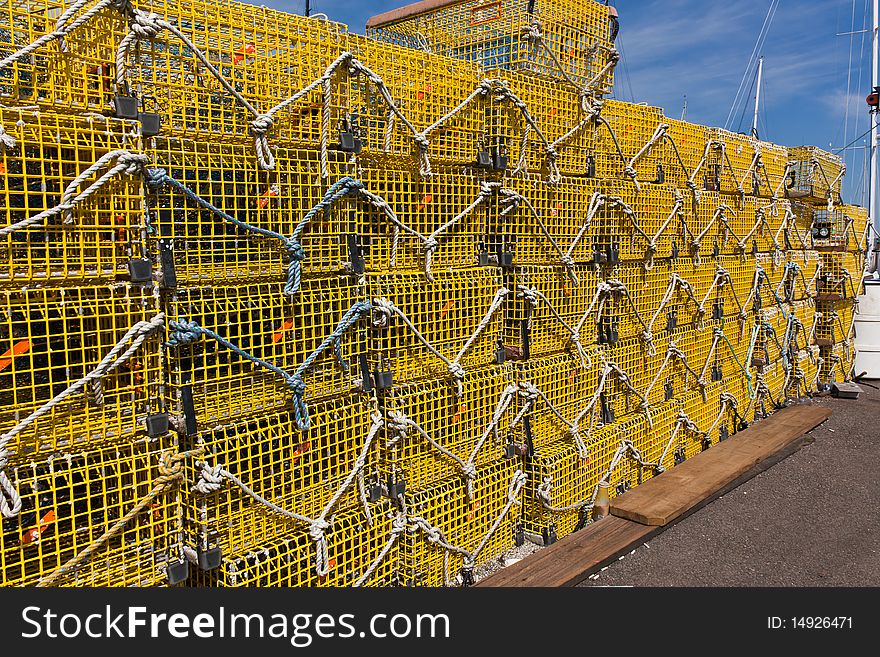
{"points": [[288, 306]]}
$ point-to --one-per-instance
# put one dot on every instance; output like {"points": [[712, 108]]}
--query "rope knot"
{"points": [[422, 142], [183, 331], [399, 425], [210, 479], [296, 384], [146, 26], [155, 177], [469, 471], [295, 250], [630, 171], [134, 163], [430, 245], [382, 311], [532, 32], [261, 124], [530, 294], [567, 261], [317, 528], [527, 391], [457, 371]]}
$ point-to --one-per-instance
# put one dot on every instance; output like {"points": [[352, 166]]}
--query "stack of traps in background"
{"points": [[288, 306]]}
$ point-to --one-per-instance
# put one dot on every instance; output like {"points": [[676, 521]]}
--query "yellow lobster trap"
{"points": [[89, 163], [354, 545], [252, 468], [474, 523], [80, 366], [814, 174], [573, 43], [71, 500], [428, 329], [218, 218], [237, 351], [433, 433]]}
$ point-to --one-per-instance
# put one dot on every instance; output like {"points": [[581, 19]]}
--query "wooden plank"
{"points": [[568, 561], [660, 500]]}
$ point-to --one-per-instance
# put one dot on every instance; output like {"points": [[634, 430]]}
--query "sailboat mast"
{"points": [[758, 96], [875, 54]]}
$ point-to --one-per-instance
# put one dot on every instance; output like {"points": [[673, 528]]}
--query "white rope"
{"points": [[531, 295], [10, 501], [125, 163], [384, 309], [630, 168]]}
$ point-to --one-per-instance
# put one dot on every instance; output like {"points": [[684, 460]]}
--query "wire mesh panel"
{"points": [[288, 560], [733, 164], [681, 161], [814, 174], [300, 471], [103, 232], [52, 338], [568, 387], [563, 210], [548, 310], [495, 35], [802, 273], [837, 363], [454, 210], [834, 322], [70, 499], [456, 423], [267, 56], [464, 521], [424, 87], [212, 384], [76, 78], [572, 480], [555, 118], [208, 247], [447, 312], [628, 129], [840, 276], [842, 228]]}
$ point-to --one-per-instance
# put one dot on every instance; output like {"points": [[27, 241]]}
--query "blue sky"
{"points": [[701, 47]]}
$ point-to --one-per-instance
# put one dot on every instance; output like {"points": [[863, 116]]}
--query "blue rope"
{"points": [[185, 331], [296, 253]]}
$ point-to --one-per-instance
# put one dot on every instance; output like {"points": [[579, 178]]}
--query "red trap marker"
{"points": [[278, 336], [243, 52], [33, 535], [18, 349], [445, 309], [272, 192]]}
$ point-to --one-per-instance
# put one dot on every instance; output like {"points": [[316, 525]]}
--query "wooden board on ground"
{"points": [[662, 499], [565, 562]]}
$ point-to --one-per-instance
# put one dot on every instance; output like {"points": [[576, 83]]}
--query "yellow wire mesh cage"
{"points": [[572, 480], [549, 312], [741, 164], [563, 42], [834, 322], [353, 545], [212, 383], [483, 520], [268, 57], [70, 499], [837, 363], [446, 216], [565, 388], [627, 138], [221, 219], [434, 94], [840, 276], [683, 161], [69, 72], [551, 116], [433, 433], [430, 329], [305, 472], [80, 366], [843, 228], [814, 174], [98, 237]]}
